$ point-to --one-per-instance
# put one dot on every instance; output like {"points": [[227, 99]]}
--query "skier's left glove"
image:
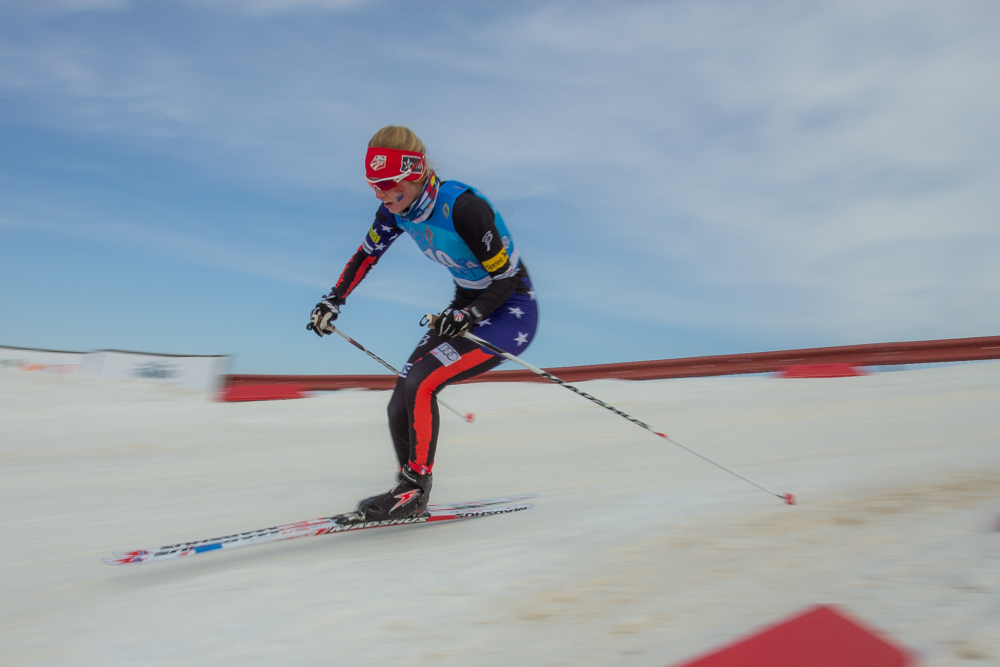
{"points": [[322, 317], [454, 321]]}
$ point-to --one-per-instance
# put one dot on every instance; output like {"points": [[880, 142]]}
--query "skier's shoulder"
{"points": [[472, 210]]}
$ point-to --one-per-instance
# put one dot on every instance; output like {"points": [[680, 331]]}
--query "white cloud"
{"points": [[789, 168], [824, 167]]}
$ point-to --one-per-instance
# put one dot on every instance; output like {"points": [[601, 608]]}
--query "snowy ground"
{"points": [[636, 553]]}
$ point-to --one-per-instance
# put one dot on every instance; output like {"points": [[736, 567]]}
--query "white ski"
{"points": [[333, 524]]}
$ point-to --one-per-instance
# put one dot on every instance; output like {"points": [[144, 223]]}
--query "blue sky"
{"points": [[683, 178]]}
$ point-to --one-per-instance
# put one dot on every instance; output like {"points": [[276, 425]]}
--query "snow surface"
{"points": [[636, 552]]}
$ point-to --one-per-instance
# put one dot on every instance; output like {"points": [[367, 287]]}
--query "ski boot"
{"points": [[408, 498]]}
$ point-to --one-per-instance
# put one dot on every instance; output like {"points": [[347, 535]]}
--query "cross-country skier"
{"points": [[456, 226]]}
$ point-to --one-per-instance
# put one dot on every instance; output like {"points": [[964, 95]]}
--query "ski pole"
{"points": [[788, 498], [468, 416]]}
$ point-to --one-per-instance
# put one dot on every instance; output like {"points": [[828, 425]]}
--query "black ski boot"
{"points": [[408, 498]]}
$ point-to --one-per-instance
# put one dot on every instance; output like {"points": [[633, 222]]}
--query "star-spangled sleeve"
{"points": [[378, 239]]}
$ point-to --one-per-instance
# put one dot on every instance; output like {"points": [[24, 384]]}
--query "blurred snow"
{"points": [[636, 552]]}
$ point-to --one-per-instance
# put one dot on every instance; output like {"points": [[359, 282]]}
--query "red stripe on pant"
{"points": [[423, 419]]}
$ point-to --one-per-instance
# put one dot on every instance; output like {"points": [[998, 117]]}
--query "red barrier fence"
{"points": [[874, 354]]}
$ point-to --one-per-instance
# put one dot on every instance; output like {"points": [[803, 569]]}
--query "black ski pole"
{"points": [[788, 498], [468, 416]]}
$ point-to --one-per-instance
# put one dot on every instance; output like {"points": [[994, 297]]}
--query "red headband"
{"points": [[383, 164]]}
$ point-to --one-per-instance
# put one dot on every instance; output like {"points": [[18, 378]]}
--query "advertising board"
{"points": [[30, 359], [201, 373]]}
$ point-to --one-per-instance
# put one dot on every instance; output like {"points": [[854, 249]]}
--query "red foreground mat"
{"points": [[262, 392], [819, 637], [821, 371]]}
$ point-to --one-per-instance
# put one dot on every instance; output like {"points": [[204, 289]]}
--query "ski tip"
{"points": [[496, 509], [126, 557], [788, 498], [503, 500], [469, 417], [476, 512]]}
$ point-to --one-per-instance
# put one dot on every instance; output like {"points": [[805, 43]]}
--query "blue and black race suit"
{"points": [[468, 236]]}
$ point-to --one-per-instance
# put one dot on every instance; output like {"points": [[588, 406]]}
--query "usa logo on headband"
{"points": [[383, 165]]}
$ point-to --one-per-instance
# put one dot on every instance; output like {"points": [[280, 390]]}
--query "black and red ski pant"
{"points": [[438, 362]]}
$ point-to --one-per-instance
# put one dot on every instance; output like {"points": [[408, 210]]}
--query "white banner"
{"points": [[200, 373], [30, 359]]}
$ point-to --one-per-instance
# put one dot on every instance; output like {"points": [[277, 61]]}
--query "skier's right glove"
{"points": [[322, 317], [454, 321]]}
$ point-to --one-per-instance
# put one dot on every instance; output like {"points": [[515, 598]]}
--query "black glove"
{"points": [[323, 315], [453, 321]]}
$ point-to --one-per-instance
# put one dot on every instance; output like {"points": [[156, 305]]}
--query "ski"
{"points": [[340, 523], [469, 504]]}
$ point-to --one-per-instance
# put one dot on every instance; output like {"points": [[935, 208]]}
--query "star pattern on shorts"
{"points": [[386, 228], [380, 246], [516, 312], [485, 322], [521, 339], [531, 294]]}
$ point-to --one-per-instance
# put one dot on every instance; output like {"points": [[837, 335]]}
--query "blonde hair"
{"points": [[402, 139]]}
